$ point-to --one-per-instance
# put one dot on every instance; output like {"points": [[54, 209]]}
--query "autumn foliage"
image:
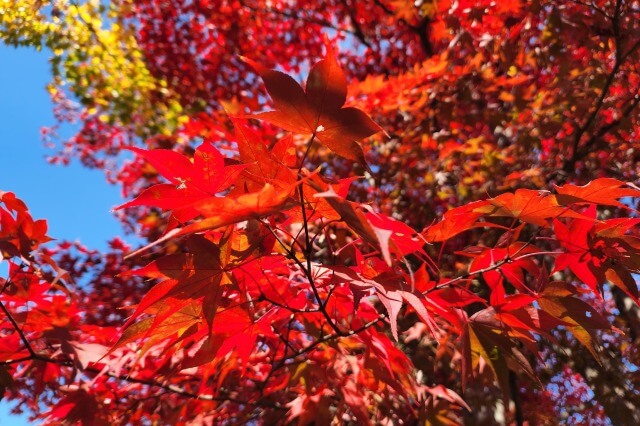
{"points": [[438, 226]]}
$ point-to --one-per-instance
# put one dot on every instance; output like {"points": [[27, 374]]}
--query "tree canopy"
{"points": [[358, 212]]}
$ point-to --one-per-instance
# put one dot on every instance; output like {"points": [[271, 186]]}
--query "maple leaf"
{"points": [[391, 365], [318, 109], [191, 183], [603, 191], [264, 164], [535, 207], [488, 340], [597, 252], [441, 406], [192, 287], [234, 332], [456, 221], [521, 318], [78, 406], [395, 236], [560, 301], [228, 210], [354, 399], [19, 233], [315, 193], [579, 257]]}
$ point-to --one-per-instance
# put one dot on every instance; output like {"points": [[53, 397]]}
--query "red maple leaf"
{"points": [[191, 183], [318, 109]]}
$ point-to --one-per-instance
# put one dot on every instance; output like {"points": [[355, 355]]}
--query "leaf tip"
{"points": [[253, 64]]}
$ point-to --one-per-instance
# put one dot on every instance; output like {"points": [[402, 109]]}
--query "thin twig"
{"points": [[309, 247], [620, 58], [18, 330]]}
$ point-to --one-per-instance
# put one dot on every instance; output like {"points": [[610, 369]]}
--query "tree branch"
{"points": [[33, 356], [18, 330], [357, 29], [421, 29], [620, 58], [327, 338], [309, 247], [175, 389]]}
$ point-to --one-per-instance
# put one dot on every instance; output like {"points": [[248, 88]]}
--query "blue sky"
{"points": [[75, 201]]}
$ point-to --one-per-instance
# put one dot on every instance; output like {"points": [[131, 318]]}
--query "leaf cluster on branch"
{"points": [[441, 230]]}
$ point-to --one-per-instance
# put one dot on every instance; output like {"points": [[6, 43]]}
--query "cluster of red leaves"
{"points": [[275, 297]]}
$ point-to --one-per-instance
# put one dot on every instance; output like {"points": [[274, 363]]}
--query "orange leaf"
{"points": [[456, 221], [222, 211], [605, 191], [527, 205]]}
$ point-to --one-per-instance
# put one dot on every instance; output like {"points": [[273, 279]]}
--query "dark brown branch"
{"points": [[308, 248], [592, 6], [422, 30], [509, 258], [286, 340], [357, 29], [515, 397], [17, 360], [606, 129], [468, 275], [288, 308], [147, 382], [620, 58], [570, 164], [383, 6], [633, 49], [183, 392]]}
